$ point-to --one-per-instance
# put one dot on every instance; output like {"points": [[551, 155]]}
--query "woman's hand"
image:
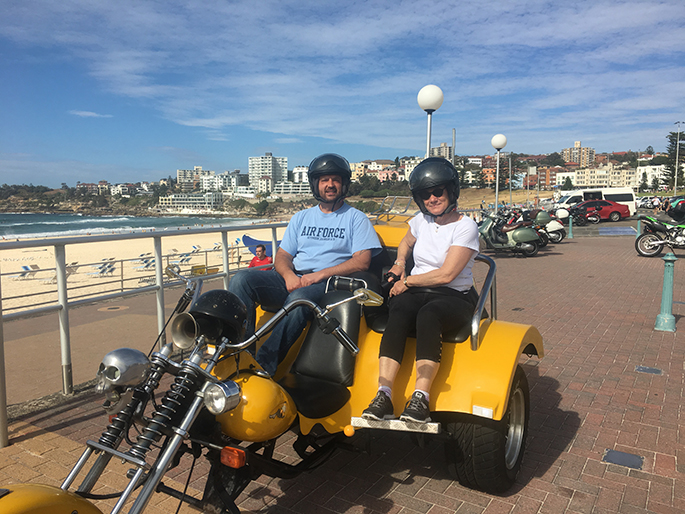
{"points": [[398, 287]]}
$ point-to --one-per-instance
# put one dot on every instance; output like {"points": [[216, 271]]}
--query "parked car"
{"points": [[607, 209], [645, 202]]}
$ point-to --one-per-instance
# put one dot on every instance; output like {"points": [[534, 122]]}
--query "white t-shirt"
{"points": [[433, 241]]}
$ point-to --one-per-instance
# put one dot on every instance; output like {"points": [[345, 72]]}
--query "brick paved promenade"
{"points": [[595, 303]]}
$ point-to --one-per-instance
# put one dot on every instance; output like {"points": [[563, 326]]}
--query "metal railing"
{"points": [[64, 303]]}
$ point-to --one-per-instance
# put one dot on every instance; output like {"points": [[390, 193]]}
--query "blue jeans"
{"points": [[267, 288]]}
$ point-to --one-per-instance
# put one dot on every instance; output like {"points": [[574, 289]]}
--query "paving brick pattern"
{"points": [[595, 303]]}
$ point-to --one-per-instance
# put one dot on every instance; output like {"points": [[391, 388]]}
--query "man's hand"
{"points": [[312, 278], [293, 282]]}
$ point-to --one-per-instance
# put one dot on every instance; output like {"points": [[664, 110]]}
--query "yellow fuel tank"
{"points": [[265, 410]]}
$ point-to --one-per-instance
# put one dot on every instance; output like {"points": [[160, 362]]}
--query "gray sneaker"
{"points": [[380, 408], [417, 409]]}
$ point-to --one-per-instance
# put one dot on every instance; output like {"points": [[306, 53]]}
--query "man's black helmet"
{"points": [[329, 164], [432, 172], [220, 313]]}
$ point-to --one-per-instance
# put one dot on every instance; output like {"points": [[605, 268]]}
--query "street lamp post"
{"points": [[430, 99], [498, 142], [677, 164]]}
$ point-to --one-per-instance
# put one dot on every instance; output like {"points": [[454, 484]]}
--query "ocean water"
{"points": [[30, 225]]}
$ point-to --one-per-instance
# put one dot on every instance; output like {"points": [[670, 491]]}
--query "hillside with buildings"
{"points": [[271, 186]]}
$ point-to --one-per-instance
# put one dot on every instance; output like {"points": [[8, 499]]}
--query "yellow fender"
{"points": [[43, 499]]}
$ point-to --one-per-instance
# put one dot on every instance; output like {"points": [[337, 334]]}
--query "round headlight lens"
{"points": [[222, 397]]}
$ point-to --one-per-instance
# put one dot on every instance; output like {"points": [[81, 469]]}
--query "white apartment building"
{"points": [[475, 160], [204, 201], [652, 171], [300, 174], [184, 176], [276, 168], [292, 189], [606, 176], [409, 164]]}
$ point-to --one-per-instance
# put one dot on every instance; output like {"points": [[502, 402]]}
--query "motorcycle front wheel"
{"points": [[645, 245], [544, 239], [581, 221], [485, 454]]}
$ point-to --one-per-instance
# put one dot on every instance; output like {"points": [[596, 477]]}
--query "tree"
{"points": [[649, 150], [669, 179], [553, 159], [655, 183], [397, 163], [568, 185], [480, 178], [644, 185]]}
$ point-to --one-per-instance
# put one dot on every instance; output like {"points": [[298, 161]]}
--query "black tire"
{"points": [[615, 216], [645, 247], [557, 236], [487, 455], [581, 221], [532, 252], [594, 218], [544, 239]]}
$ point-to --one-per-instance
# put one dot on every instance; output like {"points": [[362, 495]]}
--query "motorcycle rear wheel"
{"points": [[532, 252], [487, 455], [557, 236], [593, 219], [645, 246]]}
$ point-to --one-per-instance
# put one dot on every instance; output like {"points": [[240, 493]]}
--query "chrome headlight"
{"points": [[222, 397], [122, 368]]}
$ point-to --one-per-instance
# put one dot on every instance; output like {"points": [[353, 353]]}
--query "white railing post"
{"points": [[4, 434], [224, 256], [159, 275], [63, 315]]}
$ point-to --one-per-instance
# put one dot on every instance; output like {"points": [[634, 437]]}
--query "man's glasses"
{"points": [[437, 193]]}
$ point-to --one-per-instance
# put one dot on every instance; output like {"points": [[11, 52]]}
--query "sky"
{"points": [[131, 91]]}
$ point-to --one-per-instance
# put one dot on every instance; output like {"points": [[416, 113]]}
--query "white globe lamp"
{"points": [[430, 99]]}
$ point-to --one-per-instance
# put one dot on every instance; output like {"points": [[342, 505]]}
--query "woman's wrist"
{"points": [[405, 281], [399, 263]]}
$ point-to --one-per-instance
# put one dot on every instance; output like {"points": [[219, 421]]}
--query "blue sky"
{"points": [[133, 90]]}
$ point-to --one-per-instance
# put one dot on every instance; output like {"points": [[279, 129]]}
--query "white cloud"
{"points": [[350, 72], [89, 114]]}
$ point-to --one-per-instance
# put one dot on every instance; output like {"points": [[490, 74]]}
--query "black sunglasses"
{"points": [[437, 193]]}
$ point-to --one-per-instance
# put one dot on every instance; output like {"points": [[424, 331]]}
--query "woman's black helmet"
{"points": [[329, 164], [432, 172], [220, 313]]}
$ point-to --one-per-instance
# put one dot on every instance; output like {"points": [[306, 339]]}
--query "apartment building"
{"points": [[584, 156], [444, 150], [276, 168]]}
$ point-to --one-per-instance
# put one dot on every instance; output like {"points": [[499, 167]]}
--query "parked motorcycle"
{"points": [[593, 217], [546, 223], [659, 231], [520, 237], [220, 404]]}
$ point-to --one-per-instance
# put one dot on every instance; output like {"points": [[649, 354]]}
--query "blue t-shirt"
{"points": [[319, 240]]}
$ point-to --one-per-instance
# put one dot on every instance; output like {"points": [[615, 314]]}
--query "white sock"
{"points": [[424, 393], [386, 390]]}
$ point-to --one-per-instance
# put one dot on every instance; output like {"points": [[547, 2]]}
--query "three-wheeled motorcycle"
{"points": [[220, 405]]}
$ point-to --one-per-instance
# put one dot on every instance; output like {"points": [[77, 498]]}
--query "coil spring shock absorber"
{"points": [[116, 430], [175, 398]]}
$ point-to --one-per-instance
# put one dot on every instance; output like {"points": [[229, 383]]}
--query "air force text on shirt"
{"points": [[323, 232]]}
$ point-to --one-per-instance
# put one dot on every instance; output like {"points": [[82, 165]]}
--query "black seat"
{"points": [[319, 378]]}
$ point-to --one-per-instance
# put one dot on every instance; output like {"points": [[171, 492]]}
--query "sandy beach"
{"points": [[105, 267]]}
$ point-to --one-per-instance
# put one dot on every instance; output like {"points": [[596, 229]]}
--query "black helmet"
{"points": [[329, 164], [431, 172], [220, 313]]}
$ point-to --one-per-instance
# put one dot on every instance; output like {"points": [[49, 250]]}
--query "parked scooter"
{"points": [[659, 231], [519, 237], [545, 222]]}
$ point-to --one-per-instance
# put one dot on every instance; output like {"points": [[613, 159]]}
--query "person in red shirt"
{"points": [[260, 258]]}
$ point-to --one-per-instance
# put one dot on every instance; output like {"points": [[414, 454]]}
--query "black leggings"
{"points": [[431, 314]]}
